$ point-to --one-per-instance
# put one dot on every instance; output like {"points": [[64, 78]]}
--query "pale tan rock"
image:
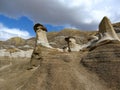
{"points": [[16, 54], [41, 37], [91, 42], [106, 31], [72, 45]]}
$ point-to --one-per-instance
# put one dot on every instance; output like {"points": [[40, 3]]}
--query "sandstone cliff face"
{"points": [[16, 48], [104, 59]]}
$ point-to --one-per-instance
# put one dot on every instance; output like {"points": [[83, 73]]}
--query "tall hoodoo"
{"points": [[106, 30], [41, 37]]}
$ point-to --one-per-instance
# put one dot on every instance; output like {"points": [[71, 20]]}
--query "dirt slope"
{"points": [[13, 73], [57, 71], [63, 71]]}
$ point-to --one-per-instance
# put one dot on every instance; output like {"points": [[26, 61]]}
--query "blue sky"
{"points": [[17, 17], [22, 27], [24, 24]]}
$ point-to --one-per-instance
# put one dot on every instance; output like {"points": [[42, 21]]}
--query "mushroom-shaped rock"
{"points": [[72, 45], [41, 37]]}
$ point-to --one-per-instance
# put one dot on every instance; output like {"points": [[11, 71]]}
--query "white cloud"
{"points": [[83, 14], [6, 33]]}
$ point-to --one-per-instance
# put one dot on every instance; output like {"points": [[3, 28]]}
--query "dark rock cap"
{"points": [[42, 27], [67, 38]]}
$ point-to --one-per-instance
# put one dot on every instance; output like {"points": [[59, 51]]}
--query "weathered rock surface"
{"points": [[98, 70], [56, 40], [62, 71], [106, 31], [104, 59], [116, 27], [16, 54]]}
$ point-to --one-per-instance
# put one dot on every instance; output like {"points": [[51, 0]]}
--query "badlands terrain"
{"points": [[95, 69]]}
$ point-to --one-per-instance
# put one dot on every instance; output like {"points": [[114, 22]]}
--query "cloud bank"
{"points": [[82, 14], [6, 33]]}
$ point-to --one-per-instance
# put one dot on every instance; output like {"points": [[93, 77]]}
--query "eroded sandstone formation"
{"points": [[104, 59], [104, 55], [106, 31], [15, 53], [72, 45], [41, 37], [68, 71], [41, 41], [105, 34]]}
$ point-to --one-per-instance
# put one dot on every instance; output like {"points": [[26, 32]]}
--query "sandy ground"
{"points": [[13, 73], [61, 72]]}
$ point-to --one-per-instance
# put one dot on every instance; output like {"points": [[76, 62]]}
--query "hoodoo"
{"points": [[41, 38], [106, 31]]}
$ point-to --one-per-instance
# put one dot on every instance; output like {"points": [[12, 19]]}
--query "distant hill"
{"points": [[16, 41]]}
